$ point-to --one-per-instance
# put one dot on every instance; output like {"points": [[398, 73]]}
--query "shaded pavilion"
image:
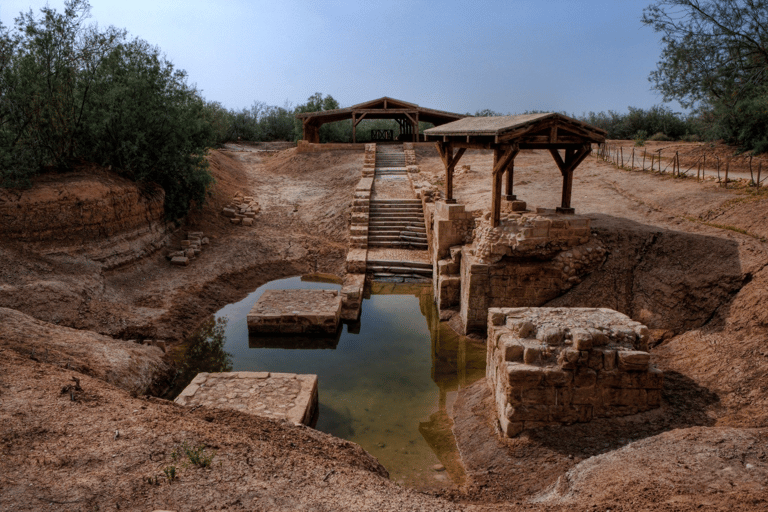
{"points": [[507, 136], [407, 115]]}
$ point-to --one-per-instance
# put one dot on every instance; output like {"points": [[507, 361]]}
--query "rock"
{"points": [[205, 241], [181, 261], [438, 467], [247, 221], [228, 212], [630, 360]]}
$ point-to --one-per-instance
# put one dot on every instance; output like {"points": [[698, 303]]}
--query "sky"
{"points": [[572, 56]]}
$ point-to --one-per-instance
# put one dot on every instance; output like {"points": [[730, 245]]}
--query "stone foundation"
{"points": [[295, 312], [528, 260], [280, 396], [558, 366]]}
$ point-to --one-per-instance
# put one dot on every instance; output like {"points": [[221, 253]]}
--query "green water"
{"points": [[387, 383]]}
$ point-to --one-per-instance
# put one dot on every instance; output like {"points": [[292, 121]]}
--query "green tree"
{"points": [[715, 59], [71, 92]]}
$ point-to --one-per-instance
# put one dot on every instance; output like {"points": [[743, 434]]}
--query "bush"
{"points": [[71, 92], [660, 137]]}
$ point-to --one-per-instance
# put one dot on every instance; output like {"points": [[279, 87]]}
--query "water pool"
{"points": [[387, 383]]}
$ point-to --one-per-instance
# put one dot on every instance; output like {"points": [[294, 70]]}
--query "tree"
{"points": [[715, 59]]}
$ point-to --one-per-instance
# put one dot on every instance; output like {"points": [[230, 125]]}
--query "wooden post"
{"points": [[633, 160], [501, 161], [449, 175], [751, 176], [510, 194], [718, 169], [622, 156], [652, 156]]}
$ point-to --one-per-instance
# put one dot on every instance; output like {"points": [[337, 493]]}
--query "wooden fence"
{"points": [[645, 160]]}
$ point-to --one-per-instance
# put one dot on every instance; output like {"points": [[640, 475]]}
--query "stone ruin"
{"points": [[295, 312], [528, 260], [242, 210], [190, 248], [558, 366], [279, 396]]}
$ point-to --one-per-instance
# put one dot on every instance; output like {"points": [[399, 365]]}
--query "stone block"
{"points": [[582, 339], [228, 212], [247, 221], [523, 375], [295, 311], [633, 360], [584, 377]]}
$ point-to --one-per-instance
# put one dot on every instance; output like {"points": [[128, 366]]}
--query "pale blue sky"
{"points": [[460, 56]]}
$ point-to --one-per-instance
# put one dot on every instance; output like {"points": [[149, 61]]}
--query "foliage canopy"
{"points": [[715, 59], [71, 92]]}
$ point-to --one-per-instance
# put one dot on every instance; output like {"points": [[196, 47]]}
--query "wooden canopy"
{"points": [[408, 116], [506, 136]]}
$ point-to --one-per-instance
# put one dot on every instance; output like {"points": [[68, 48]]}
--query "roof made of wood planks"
{"points": [[382, 108], [542, 130]]}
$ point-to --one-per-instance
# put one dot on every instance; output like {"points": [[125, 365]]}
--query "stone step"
{"points": [[393, 224], [414, 235], [402, 244], [399, 270], [402, 263], [396, 201], [395, 214]]}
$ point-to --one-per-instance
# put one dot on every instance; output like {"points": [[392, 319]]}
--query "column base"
{"points": [[566, 211]]}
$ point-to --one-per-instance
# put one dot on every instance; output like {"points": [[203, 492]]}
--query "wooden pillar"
{"points": [[501, 161], [445, 149], [573, 157], [449, 174], [510, 195], [496, 199]]}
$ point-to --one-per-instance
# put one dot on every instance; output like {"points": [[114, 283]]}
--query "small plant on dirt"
{"points": [[640, 137], [170, 473], [196, 455]]}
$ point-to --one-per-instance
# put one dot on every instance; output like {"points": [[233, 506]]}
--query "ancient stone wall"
{"points": [[104, 217], [558, 366]]}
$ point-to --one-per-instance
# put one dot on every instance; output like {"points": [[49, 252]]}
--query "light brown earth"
{"points": [[686, 258]]}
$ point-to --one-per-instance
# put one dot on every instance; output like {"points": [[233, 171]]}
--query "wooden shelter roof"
{"points": [[382, 108], [546, 129], [506, 136]]}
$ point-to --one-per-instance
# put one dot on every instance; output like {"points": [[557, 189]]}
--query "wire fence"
{"points": [[654, 161]]}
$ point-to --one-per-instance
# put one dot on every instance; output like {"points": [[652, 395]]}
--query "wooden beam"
{"points": [[359, 118], [573, 157], [449, 161], [502, 159]]}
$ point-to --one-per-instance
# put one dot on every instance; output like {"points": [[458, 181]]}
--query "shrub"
{"points": [[660, 137], [71, 92]]}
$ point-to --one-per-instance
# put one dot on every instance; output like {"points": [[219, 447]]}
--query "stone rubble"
{"points": [[242, 210], [558, 366], [189, 249]]}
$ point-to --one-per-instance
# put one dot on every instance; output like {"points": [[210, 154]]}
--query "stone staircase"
{"points": [[390, 160], [396, 223]]}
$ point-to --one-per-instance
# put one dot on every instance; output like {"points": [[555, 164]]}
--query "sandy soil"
{"points": [[689, 258]]}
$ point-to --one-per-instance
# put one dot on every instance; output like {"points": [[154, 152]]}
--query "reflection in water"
{"points": [[389, 381], [203, 352]]}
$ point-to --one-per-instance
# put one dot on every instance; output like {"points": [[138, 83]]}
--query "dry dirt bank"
{"points": [[701, 287]]}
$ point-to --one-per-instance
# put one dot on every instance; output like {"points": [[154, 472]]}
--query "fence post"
{"points": [[632, 167]]}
